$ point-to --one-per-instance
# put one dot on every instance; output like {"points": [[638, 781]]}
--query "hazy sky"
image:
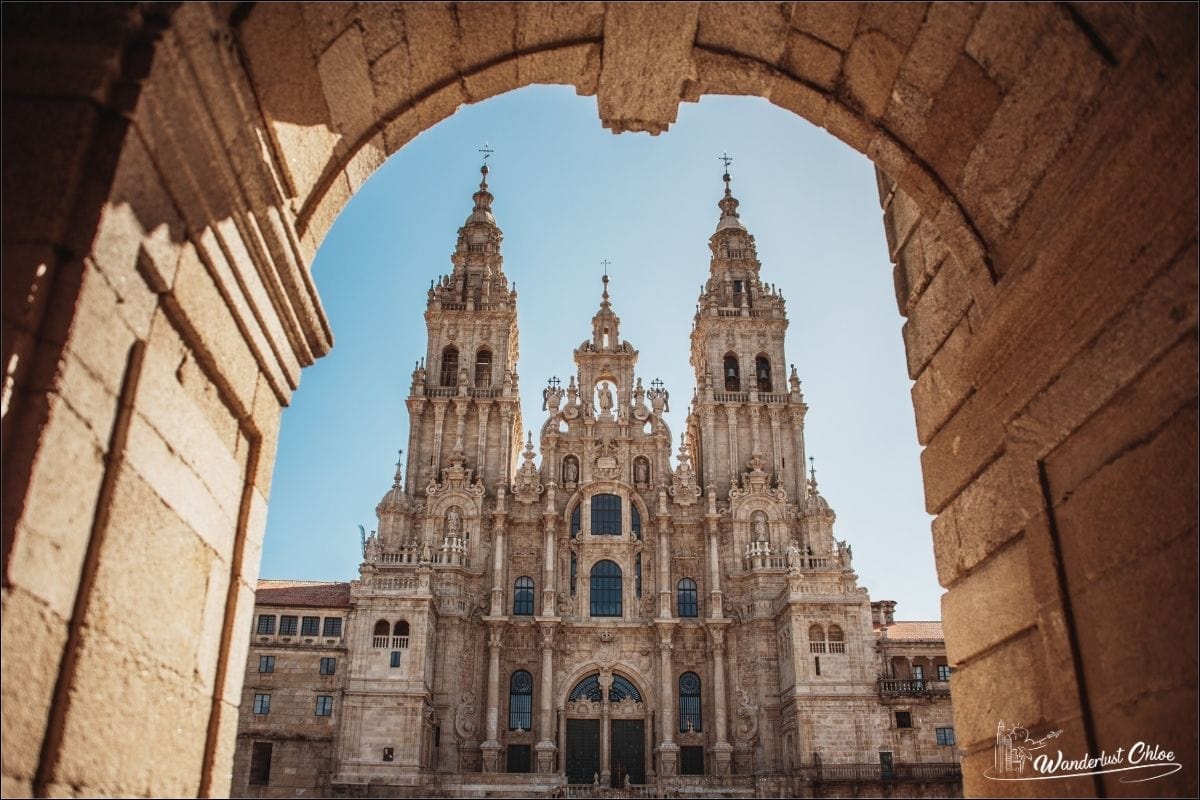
{"points": [[569, 195]]}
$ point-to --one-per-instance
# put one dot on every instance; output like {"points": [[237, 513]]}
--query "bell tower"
{"points": [[744, 408], [464, 405]]}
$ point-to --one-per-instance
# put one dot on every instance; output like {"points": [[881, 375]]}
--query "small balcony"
{"points": [[910, 687]]}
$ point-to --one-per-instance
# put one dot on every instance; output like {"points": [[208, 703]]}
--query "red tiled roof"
{"points": [[317, 594], [915, 631]]}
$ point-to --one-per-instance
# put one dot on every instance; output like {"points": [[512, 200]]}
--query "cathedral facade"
{"points": [[580, 614]]}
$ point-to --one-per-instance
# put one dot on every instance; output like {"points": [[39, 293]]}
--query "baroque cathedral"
{"points": [[597, 620]]}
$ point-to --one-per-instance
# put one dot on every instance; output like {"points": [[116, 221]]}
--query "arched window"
{"points": [[762, 373], [574, 572], [523, 597], [816, 639], [606, 515], [636, 520], [685, 594], [837, 640], [520, 701], [589, 687], [621, 689], [689, 702], [575, 522], [637, 575], [449, 366], [401, 628], [606, 589], [381, 628], [483, 368], [733, 375]]}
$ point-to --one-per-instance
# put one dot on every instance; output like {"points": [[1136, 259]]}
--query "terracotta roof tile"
{"points": [[915, 631], [315, 594]]}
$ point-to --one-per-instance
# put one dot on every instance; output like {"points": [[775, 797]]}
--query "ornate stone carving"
{"points": [[747, 718], [465, 715], [528, 485]]}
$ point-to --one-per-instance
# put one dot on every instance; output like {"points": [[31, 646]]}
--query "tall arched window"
{"points": [[520, 701], [483, 368], [381, 628], [523, 597], [637, 575], [733, 376], [574, 572], [762, 373], [449, 375], [685, 594], [837, 640], [575, 522], [636, 520], [606, 515], [689, 702], [606, 589], [816, 639], [401, 628]]}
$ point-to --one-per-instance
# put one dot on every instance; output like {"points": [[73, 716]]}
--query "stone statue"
{"points": [[453, 522], [760, 528], [640, 471], [793, 556], [606, 398], [570, 471]]}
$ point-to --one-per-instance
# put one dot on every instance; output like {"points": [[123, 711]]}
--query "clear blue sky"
{"points": [[569, 194]]}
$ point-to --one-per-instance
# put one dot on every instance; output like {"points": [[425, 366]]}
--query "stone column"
{"points": [[715, 597], [545, 746], [491, 747], [605, 729], [439, 422], [501, 518], [755, 437], [664, 560], [460, 424], [416, 406], [668, 750], [798, 443], [773, 415], [484, 409], [722, 751], [731, 422], [550, 560]]}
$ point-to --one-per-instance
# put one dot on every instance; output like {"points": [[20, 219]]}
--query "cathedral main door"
{"points": [[598, 727]]}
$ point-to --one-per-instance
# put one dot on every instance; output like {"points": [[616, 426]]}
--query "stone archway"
{"points": [[171, 171]]}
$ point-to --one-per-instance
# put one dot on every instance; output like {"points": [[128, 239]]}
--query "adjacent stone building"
{"points": [[583, 612]]}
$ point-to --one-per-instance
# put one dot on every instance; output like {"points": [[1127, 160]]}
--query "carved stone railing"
{"points": [[875, 772], [910, 686]]}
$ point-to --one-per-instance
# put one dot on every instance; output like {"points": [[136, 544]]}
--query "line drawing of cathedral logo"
{"points": [[1014, 748]]}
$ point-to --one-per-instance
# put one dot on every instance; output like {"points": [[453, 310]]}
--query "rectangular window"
{"points": [[266, 663], [395, 658], [520, 712], [606, 515], [324, 706], [260, 764], [333, 626], [918, 672], [903, 719], [945, 736], [266, 624], [691, 760], [389, 753], [817, 661], [262, 704], [288, 625], [328, 666], [519, 758], [310, 626], [943, 672]]}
